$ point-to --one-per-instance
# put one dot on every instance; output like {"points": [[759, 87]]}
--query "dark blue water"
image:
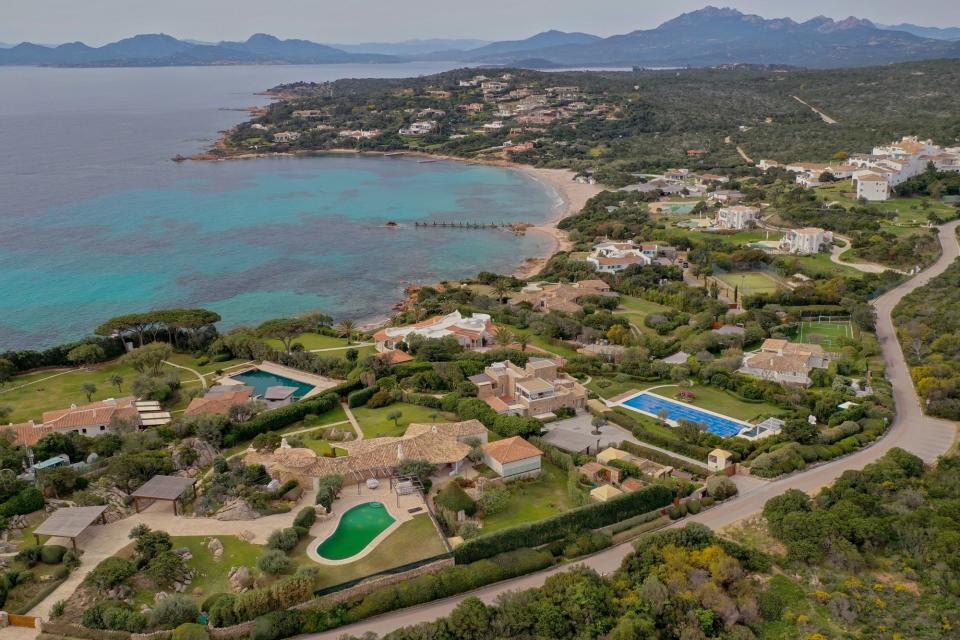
{"points": [[95, 220]]}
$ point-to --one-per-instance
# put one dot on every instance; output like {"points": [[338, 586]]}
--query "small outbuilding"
{"points": [[605, 492], [512, 457], [719, 459], [69, 522]]}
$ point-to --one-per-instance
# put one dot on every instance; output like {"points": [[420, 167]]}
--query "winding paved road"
{"points": [[911, 430]]}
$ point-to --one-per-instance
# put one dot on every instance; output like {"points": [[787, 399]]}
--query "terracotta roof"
{"points": [[395, 356], [632, 484], [496, 404], [218, 403], [511, 450], [464, 429], [92, 415], [28, 433], [774, 362]]}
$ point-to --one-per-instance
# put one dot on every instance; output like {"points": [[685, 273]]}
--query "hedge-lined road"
{"points": [[911, 430]]}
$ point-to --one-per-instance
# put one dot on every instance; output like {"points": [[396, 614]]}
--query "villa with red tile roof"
{"points": [[219, 400], [473, 332], [512, 458], [91, 419]]}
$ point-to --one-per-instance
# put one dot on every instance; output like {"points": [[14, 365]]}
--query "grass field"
{"points": [[60, 391], [909, 211], [616, 388], [750, 282], [559, 348], [827, 334], [374, 422], [720, 401], [208, 369], [532, 500], [636, 311], [413, 540]]}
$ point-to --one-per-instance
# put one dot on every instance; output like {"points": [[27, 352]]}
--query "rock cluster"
{"points": [[240, 579], [216, 548], [236, 509]]}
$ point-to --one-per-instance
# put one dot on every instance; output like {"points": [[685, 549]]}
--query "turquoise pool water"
{"points": [[357, 528], [261, 381]]}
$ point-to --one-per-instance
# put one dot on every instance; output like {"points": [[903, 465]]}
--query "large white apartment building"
{"points": [[889, 165]]}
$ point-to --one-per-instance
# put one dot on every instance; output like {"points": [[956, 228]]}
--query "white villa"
{"points": [[611, 257], [473, 332], [805, 241], [419, 128], [737, 217], [286, 136], [785, 362]]}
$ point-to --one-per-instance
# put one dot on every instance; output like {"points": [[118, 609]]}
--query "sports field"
{"points": [[750, 282], [827, 334]]}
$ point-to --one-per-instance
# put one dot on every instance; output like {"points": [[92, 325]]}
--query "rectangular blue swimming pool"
{"points": [[261, 381], [653, 405]]}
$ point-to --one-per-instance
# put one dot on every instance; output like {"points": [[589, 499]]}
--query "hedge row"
{"points": [[443, 584], [284, 416], [360, 397], [661, 458], [591, 516], [233, 608], [624, 419]]}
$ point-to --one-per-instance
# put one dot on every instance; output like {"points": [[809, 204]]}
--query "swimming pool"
{"points": [[262, 380], [358, 527], [652, 405]]}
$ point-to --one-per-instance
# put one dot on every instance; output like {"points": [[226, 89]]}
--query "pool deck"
{"points": [[348, 499], [320, 383]]}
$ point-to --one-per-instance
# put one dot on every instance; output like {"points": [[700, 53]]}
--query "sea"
{"points": [[96, 219]]}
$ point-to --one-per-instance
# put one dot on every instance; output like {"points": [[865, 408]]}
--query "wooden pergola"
{"points": [[70, 522], [164, 488]]}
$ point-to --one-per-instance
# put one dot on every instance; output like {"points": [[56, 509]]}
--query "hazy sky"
{"points": [[100, 21]]}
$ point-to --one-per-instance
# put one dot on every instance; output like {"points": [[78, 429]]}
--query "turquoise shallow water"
{"points": [[95, 220], [260, 239]]}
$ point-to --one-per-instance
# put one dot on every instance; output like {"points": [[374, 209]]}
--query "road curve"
{"points": [[911, 430]]}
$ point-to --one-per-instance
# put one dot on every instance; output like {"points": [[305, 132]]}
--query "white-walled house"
{"points": [[512, 458], [611, 257], [805, 241], [737, 217], [871, 186], [473, 332]]}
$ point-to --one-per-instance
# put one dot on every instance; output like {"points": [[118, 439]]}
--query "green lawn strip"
{"points": [[559, 348], [413, 540], [375, 424], [616, 388], [719, 401], [532, 500], [187, 360], [64, 390], [313, 341]]}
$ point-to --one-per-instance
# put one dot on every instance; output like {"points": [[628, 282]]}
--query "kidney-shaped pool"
{"points": [[358, 527]]}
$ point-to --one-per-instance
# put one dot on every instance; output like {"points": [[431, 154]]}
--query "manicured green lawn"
{"points": [[750, 282], [560, 348], [720, 401], [827, 334], [532, 500], [616, 388], [375, 424], [212, 576], [60, 391], [187, 360], [413, 540], [908, 210], [313, 341], [821, 265]]}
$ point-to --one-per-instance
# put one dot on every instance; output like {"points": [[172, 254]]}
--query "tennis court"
{"points": [[750, 282]]}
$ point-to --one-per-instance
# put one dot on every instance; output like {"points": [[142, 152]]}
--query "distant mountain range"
{"points": [[706, 37], [938, 33]]}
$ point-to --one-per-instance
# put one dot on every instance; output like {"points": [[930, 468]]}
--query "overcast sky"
{"points": [[99, 21]]}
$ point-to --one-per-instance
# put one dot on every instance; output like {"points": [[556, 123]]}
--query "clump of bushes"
{"points": [[114, 616], [453, 498], [190, 631], [284, 540], [328, 487], [721, 487], [305, 518], [273, 562], [174, 610]]}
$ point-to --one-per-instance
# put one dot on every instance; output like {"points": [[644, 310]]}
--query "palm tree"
{"points": [[500, 287], [503, 336], [346, 329], [524, 341], [117, 381]]}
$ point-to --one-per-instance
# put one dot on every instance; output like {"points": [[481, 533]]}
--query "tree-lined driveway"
{"points": [[925, 436]]}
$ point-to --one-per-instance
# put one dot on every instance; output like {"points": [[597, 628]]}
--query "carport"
{"points": [[163, 488], [70, 522]]}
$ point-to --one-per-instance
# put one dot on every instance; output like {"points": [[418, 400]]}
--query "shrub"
{"points": [[52, 553], [222, 612], [359, 398], [591, 516], [190, 631], [721, 487], [327, 489], [453, 498], [273, 562], [211, 600], [174, 610], [110, 572], [381, 398], [494, 500], [693, 506], [283, 539], [29, 555], [27, 500], [275, 625], [57, 609], [114, 616], [305, 518], [707, 501]]}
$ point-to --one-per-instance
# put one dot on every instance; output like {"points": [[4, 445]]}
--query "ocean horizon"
{"points": [[98, 221]]}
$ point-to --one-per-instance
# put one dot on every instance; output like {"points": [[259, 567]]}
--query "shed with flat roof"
{"points": [[69, 522], [164, 488]]}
